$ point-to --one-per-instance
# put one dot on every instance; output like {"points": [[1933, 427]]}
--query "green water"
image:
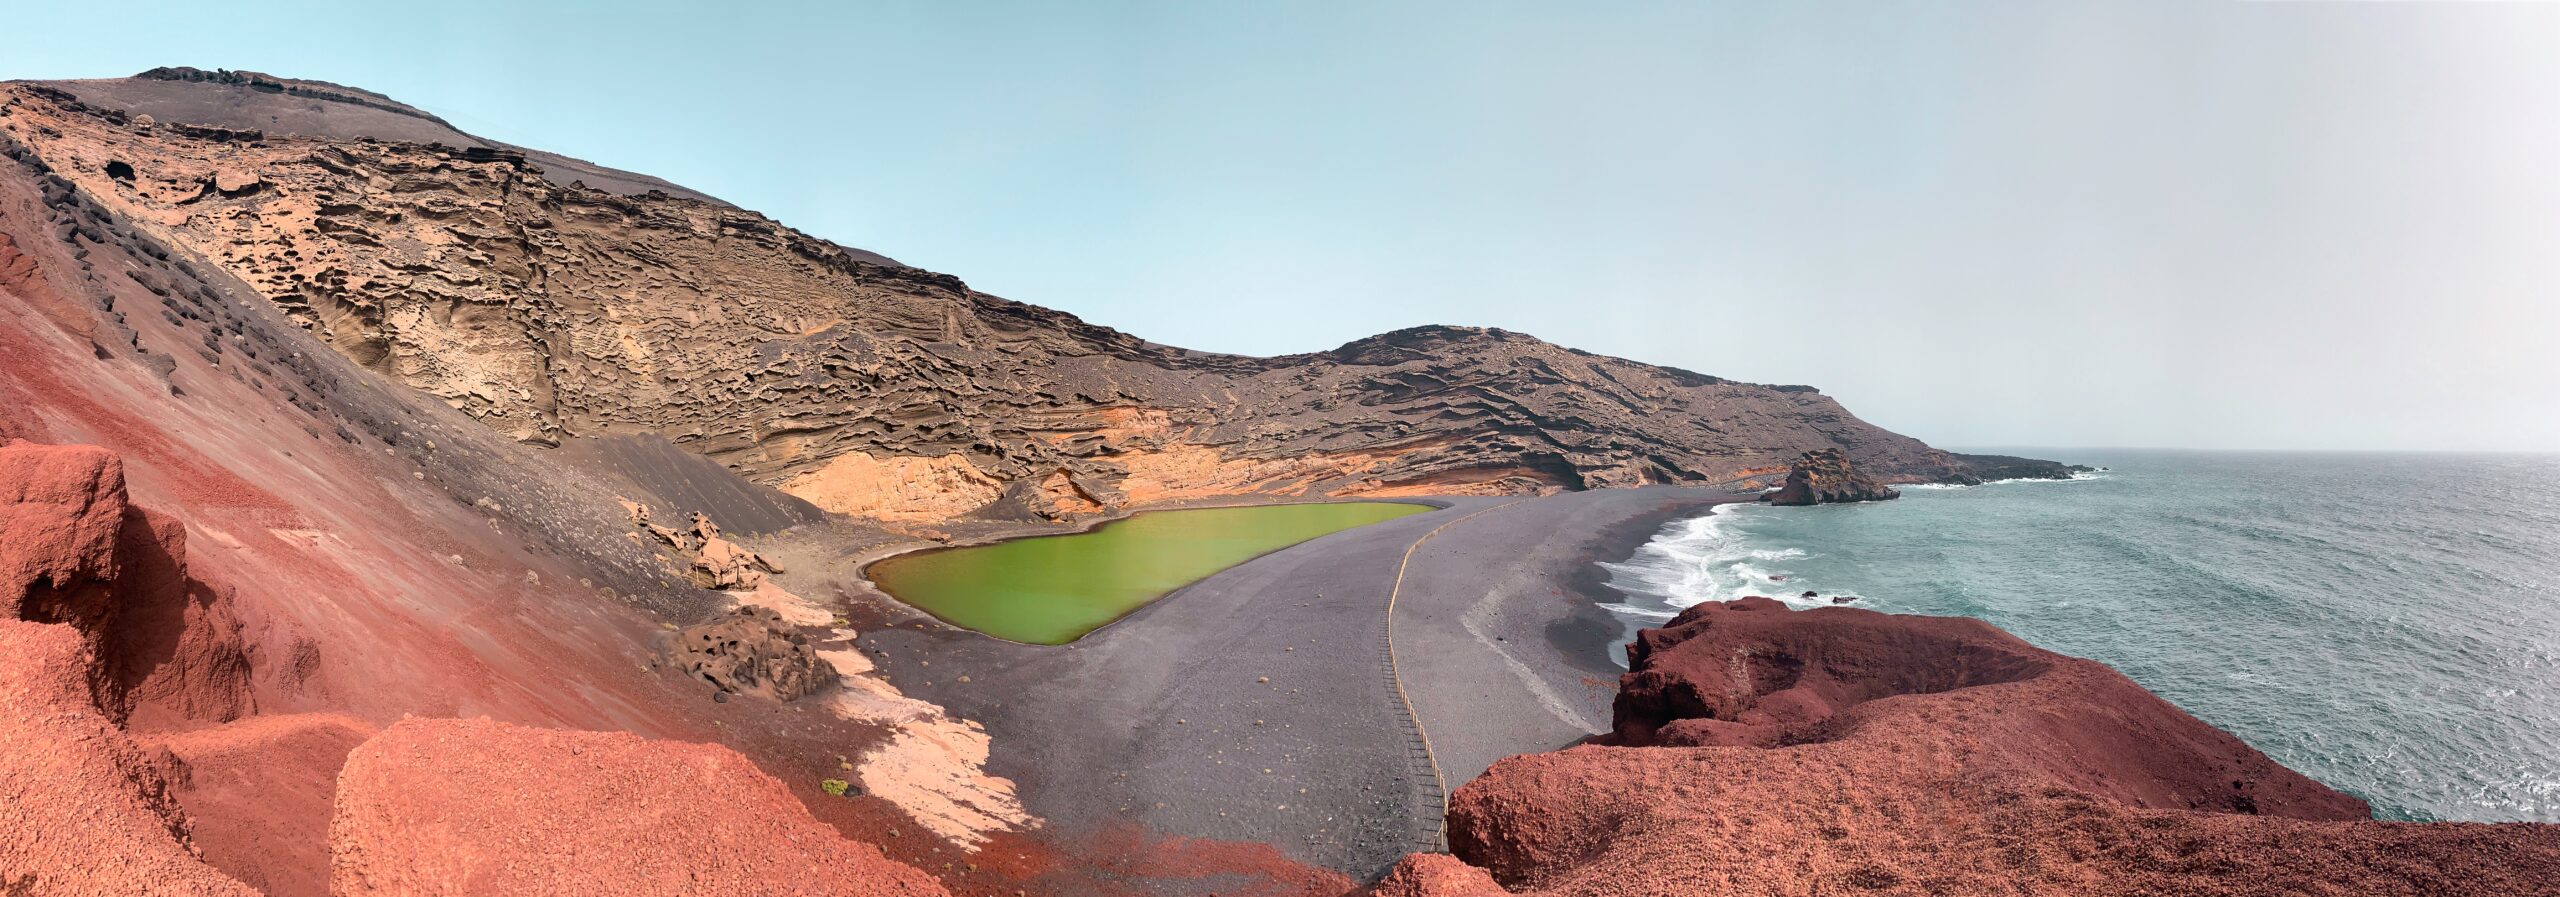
{"points": [[1052, 590]]}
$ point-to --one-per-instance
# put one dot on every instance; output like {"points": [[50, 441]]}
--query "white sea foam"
{"points": [[1703, 559], [2077, 477]]}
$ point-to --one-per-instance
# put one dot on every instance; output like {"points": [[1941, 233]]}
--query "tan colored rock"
{"points": [[725, 566], [896, 488], [234, 181]]}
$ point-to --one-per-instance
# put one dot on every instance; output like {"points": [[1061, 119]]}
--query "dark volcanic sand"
{"points": [[1162, 719]]}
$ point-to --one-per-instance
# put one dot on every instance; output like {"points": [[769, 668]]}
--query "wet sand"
{"points": [[1257, 704]]}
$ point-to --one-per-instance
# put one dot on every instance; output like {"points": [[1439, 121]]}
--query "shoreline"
{"points": [[1617, 544], [1254, 706]]}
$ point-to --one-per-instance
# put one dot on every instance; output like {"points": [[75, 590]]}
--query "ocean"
{"points": [[2388, 624]]}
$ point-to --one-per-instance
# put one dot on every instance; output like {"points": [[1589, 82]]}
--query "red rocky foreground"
{"points": [[1840, 751], [102, 627]]}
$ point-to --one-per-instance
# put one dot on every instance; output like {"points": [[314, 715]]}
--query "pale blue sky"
{"points": [[2281, 224]]}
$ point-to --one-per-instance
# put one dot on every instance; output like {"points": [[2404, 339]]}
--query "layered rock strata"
{"points": [[549, 309]]}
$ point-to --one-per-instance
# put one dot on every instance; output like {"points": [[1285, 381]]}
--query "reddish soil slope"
{"points": [[477, 807], [431, 806], [1837, 751]]}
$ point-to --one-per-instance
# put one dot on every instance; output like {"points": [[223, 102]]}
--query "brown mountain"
{"points": [[554, 299]]}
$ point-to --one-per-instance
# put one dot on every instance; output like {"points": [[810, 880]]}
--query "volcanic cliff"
{"points": [[552, 299]]}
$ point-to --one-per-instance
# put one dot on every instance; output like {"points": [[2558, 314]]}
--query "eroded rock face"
{"points": [[1759, 750], [479, 807], [751, 650], [74, 551], [547, 309], [88, 585], [1826, 476]]}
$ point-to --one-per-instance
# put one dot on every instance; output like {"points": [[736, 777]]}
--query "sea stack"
{"points": [[1825, 476]]}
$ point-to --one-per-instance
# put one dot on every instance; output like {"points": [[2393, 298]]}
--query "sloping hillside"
{"points": [[551, 300]]}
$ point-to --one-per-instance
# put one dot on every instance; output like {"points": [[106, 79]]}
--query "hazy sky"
{"points": [[2212, 224]]}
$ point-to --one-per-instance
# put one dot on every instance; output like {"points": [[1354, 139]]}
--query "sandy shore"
{"points": [[1257, 705]]}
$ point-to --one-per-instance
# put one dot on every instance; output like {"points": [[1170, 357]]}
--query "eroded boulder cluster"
{"points": [[712, 561]]}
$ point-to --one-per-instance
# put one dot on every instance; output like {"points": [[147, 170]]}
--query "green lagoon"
{"points": [[1051, 590]]}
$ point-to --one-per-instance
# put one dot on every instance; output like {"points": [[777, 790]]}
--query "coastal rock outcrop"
{"points": [[1759, 750], [1826, 476], [480, 807], [1985, 468]]}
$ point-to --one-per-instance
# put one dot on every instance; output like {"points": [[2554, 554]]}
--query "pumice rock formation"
{"points": [[1825, 476], [553, 300], [1759, 750]]}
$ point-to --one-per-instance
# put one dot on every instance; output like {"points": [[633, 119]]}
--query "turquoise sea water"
{"points": [[2386, 623]]}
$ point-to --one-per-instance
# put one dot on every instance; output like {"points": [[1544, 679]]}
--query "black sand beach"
{"points": [[1258, 704]]}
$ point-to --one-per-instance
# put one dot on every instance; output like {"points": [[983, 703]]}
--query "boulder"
{"points": [[61, 511], [74, 551], [751, 650]]}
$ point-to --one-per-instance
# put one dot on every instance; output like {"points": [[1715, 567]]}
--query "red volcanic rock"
{"points": [[1751, 672], [82, 809], [260, 792], [61, 508], [73, 551], [1831, 751], [1824, 476], [1434, 875], [480, 807]]}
